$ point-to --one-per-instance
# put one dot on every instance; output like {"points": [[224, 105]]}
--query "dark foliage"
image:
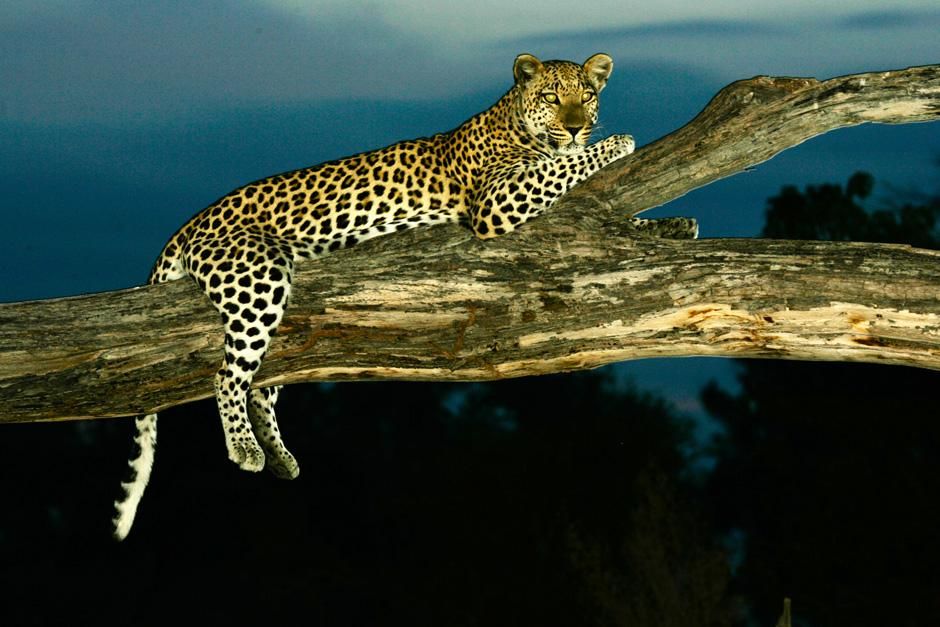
{"points": [[832, 471], [829, 212], [516, 506]]}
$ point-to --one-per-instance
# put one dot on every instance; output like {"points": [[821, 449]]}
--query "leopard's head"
{"points": [[557, 100]]}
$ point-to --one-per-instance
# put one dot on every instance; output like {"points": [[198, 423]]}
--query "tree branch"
{"points": [[750, 121], [571, 290]]}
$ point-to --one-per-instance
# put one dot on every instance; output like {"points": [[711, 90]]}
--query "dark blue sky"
{"points": [[119, 121]]}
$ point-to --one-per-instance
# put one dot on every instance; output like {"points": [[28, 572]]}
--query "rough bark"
{"points": [[571, 290]]}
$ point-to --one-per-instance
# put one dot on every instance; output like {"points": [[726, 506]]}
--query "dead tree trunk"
{"points": [[571, 290]]}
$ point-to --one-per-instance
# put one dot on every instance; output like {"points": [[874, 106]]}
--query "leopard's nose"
{"points": [[574, 130]]}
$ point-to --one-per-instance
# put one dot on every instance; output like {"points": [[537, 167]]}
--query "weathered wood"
{"points": [[572, 290]]}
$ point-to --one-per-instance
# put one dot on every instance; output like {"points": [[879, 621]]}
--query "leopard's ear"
{"points": [[526, 68], [598, 69]]}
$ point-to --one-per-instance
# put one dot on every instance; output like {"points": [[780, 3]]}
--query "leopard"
{"points": [[496, 171]]}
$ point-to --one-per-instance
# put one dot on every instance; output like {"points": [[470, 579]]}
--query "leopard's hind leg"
{"points": [[264, 424], [247, 277]]}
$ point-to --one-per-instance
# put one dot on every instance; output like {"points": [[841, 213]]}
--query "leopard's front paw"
{"points": [[666, 228], [622, 145]]}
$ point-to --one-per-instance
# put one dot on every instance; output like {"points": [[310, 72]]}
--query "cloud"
{"points": [[98, 60], [808, 45], [891, 19], [116, 62], [681, 28], [491, 20]]}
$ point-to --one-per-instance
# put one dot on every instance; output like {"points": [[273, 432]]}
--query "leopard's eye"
{"points": [[550, 97], [588, 96]]}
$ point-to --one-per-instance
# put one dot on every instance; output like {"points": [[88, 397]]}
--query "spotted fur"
{"points": [[493, 173]]}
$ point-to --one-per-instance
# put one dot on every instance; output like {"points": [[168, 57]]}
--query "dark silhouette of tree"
{"points": [[831, 472], [674, 575], [829, 212], [544, 501]]}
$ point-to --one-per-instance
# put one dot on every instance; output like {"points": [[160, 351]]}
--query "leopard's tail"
{"points": [[140, 465], [168, 267]]}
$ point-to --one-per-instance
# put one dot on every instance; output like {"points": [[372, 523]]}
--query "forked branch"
{"points": [[571, 290]]}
